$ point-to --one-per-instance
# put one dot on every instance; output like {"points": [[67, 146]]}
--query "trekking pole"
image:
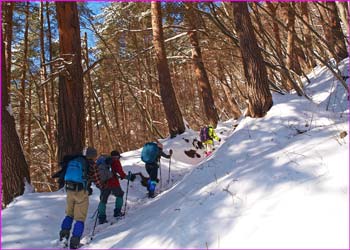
{"points": [[169, 170], [94, 213], [127, 191], [160, 176], [93, 230]]}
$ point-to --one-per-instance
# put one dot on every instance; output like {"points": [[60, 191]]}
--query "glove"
{"points": [[89, 189], [131, 177], [171, 152]]}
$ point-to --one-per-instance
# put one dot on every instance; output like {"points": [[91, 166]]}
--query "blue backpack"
{"points": [[149, 152], [204, 134], [76, 171]]}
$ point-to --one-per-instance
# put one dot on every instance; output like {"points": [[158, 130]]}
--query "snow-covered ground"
{"points": [[281, 181]]}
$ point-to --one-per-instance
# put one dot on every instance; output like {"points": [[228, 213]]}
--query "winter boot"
{"points": [[74, 242], [64, 234], [151, 188], [118, 213], [102, 219], [118, 206], [65, 227]]}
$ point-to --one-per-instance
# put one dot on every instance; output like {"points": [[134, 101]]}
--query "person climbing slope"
{"points": [[113, 187], [151, 154]]}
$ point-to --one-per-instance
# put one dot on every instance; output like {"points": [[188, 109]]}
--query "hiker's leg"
{"points": [[118, 193], [81, 205], [102, 205], [152, 182]]}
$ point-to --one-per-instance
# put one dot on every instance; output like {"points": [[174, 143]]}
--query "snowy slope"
{"points": [[281, 181]]}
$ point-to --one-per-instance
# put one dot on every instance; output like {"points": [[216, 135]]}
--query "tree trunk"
{"points": [[199, 69], [342, 9], [71, 112], [14, 166], [339, 41], [90, 95], [50, 151], [292, 62], [332, 31], [171, 107], [307, 35], [276, 31], [259, 96], [228, 92], [29, 124], [53, 92], [22, 105]]}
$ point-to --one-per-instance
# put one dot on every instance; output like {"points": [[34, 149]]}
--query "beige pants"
{"points": [[77, 204]]}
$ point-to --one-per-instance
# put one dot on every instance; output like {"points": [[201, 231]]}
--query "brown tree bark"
{"points": [[339, 41], [259, 95], [344, 16], [53, 89], [276, 31], [71, 113], [29, 125], [308, 37], [90, 95], [22, 105], [228, 92], [292, 62], [44, 77], [199, 68], [171, 107], [47, 109], [15, 170], [332, 30]]}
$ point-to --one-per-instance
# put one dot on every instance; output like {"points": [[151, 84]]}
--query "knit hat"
{"points": [[91, 153], [115, 153]]}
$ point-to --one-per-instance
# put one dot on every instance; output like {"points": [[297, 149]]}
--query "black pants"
{"points": [[152, 170]]}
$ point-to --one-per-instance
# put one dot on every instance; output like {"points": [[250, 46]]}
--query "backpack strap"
{"points": [[85, 172]]}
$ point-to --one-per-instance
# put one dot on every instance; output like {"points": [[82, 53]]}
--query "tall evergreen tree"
{"points": [[201, 74], [14, 166], [171, 107], [71, 113], [259, 95]]}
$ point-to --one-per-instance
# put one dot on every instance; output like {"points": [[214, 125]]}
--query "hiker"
{"points": [[207, 136], [151, 154], [113, 187], [62, 172], [77, 178]]}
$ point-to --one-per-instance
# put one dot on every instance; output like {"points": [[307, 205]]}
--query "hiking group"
{"points": [[79, 171]]}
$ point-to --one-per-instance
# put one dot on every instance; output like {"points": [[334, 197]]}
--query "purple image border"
{"points": [[348, 41]]}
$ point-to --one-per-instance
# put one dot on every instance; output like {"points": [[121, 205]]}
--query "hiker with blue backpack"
{"points": [[207, 136], [78, 175], [151, 154], [113, 187]]}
